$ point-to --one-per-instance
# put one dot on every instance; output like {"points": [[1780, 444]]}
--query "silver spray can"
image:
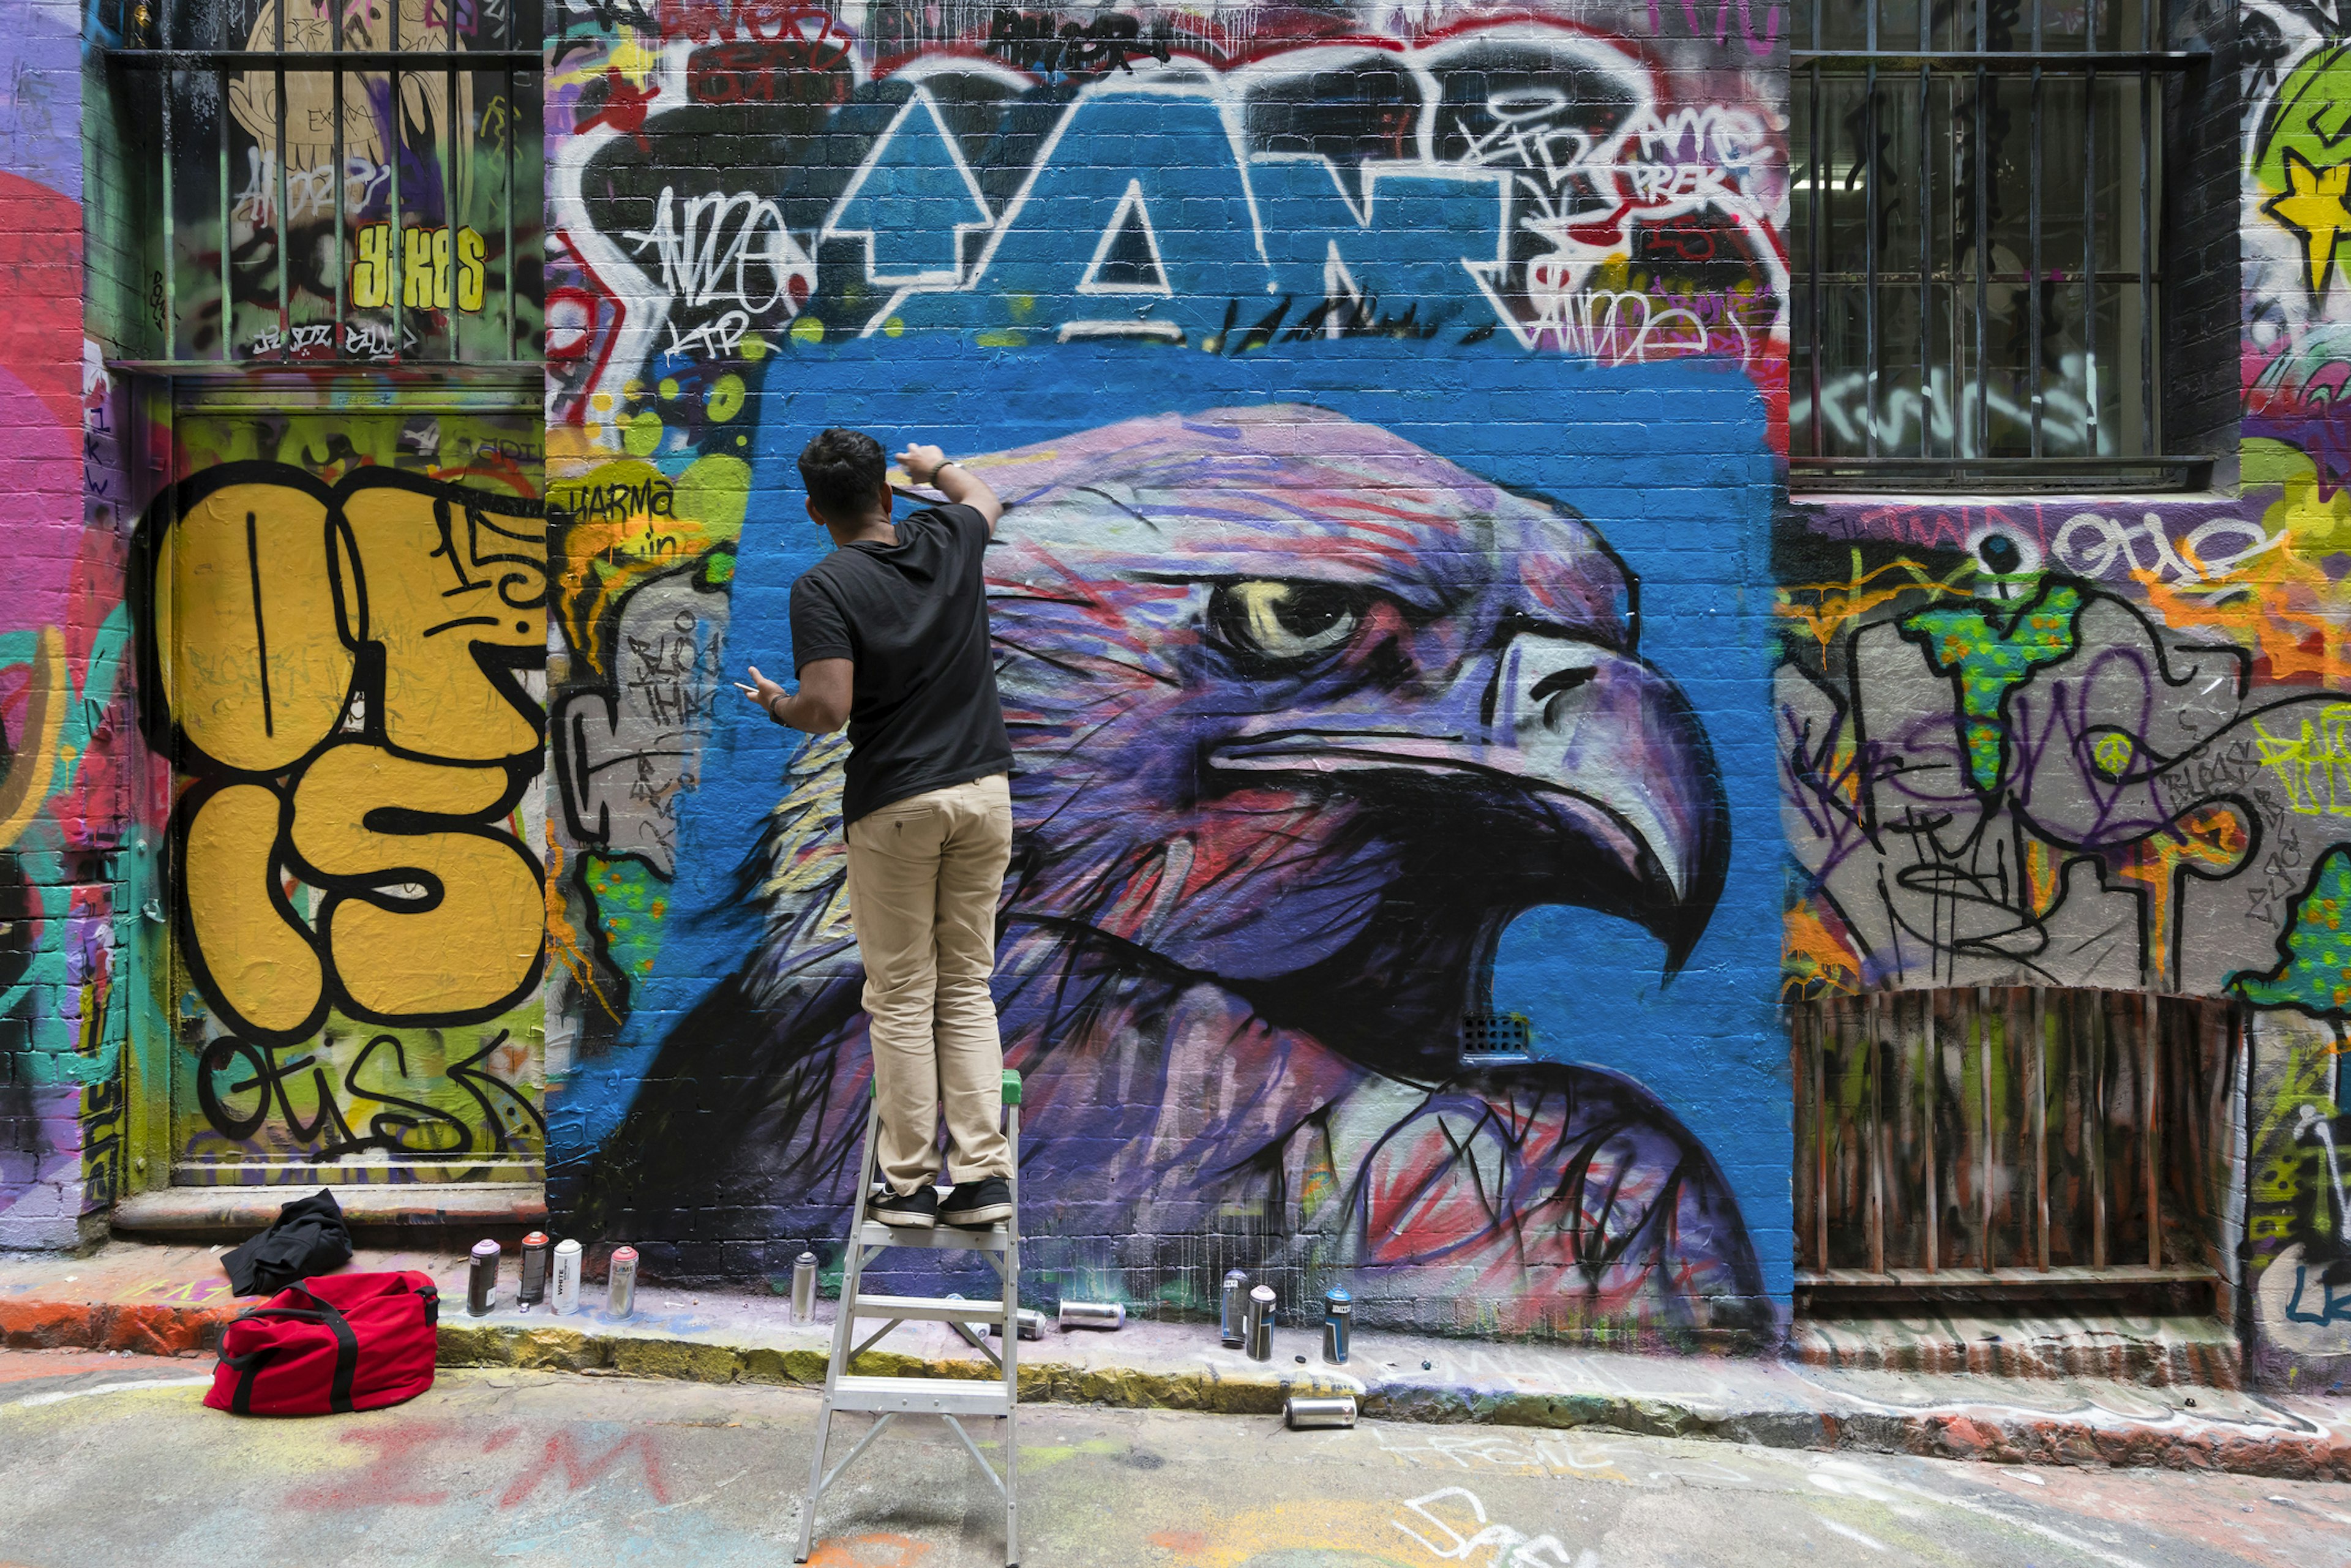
{"points": [[1092, 1315], [804, 1288], [1338, 1317], [1259, 1325], [1231, 1308], [533, 1289], [482, 1281], [1031, 1324], [623, 1297], [567, 1276], [1300, 1411]]}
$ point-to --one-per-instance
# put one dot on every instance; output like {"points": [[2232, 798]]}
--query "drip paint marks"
{"points": [[1385, 404]]}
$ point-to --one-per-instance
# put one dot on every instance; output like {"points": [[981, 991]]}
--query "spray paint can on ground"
{"points": [[1232, 1309], [1032, 1324], [1304, 1410], [1338, 1318], [1092, 1315], [567, 1276], [623, 1297], [482, 1281], [533, 1289], [1260, 1323], [804, 1288]]}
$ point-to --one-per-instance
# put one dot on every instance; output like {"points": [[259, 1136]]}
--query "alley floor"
{"points": [[110, 1459]]}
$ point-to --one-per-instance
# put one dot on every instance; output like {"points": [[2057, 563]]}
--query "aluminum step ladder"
{"points": [[950, 1399]]}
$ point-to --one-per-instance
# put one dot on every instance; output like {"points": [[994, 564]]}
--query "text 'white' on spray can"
{"points": [[567, 1276], [622, 1300]]}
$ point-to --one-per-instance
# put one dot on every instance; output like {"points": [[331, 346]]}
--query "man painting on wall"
{"points": [[890, 633]]}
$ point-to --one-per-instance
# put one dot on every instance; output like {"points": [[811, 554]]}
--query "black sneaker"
{"points": [[916, 1210], [981, 1202]]}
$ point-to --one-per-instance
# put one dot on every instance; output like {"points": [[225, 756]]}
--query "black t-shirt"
{"points": [[923, 712]]}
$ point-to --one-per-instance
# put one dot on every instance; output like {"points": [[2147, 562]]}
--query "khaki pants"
{"points": [[925, 874]]}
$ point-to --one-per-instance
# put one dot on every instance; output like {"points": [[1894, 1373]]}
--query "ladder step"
{"points": [[944, 1237], [929, 1309], [919, 1395]]}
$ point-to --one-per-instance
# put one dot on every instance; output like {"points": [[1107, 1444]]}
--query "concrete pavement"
{"points": [[171, 1300], [108, 1460]]}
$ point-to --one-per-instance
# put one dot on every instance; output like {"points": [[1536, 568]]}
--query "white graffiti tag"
{"points": [[1500, 1546]]}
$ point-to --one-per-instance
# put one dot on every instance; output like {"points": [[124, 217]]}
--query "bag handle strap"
{"points": [[346, 1352]]}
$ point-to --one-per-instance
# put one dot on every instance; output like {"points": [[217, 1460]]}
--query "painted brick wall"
{"points": [[62, 802], [1388, 398]]}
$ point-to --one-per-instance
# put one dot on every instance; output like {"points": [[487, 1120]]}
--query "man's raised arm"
{"points": [[930, 466]]}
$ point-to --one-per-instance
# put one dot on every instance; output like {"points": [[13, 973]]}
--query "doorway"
{"points": [[348, 668]]}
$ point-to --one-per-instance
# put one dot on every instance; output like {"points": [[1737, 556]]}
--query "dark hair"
{"points": [[843, 470]]}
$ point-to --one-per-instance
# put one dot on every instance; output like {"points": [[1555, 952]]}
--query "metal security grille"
{"points": [[2050, 1138], [340, 180], [1975, 213]]}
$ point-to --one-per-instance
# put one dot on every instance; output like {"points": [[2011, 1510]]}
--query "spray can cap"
{"points": [[567, 1246], [536, 1239], [624, 1253], [1337, 1296], [805, 1258], [1262, 1293], [486, 1247]]}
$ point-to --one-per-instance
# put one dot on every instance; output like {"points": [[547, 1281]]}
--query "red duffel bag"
{"points": [[340, 1342]]}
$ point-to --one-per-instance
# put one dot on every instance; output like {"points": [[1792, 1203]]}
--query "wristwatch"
{"points": [[944, 464]]}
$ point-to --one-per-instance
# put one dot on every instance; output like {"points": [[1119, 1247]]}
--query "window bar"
{"points": [[2037, 324], [514, 114], [396, 240], [1930, 1096], [2093, 1116], [170, 238], [2149, 144], [450, 211], [228, 297], [342, 175], [1815, 174], [284, 272], [1982, 256], [2150, 1056], [2090, 256], [1870, 346], [2036, 1059], [1925, 210], [1983, 1080], [1872, 1019], [1825, 1025]]}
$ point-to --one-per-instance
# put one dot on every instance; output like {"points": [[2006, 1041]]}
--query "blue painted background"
{"points": [[1669, 462]]}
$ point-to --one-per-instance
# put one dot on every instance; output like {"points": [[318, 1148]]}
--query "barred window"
{"points": [[1975, 220], [336, 179]]}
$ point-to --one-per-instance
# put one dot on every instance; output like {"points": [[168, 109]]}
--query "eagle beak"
{"points": [[1589, 781]]}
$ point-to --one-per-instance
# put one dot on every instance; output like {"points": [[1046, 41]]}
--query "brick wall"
{"points": [[1454, 347]]}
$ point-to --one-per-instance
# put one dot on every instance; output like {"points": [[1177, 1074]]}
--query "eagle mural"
{"points": [[1305, 715]]}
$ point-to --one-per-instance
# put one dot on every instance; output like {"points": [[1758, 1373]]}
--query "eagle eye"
{"points": [[1284, 622]]}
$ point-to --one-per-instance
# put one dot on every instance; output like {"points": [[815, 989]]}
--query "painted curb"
{"points": [[2181, 1443]]}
